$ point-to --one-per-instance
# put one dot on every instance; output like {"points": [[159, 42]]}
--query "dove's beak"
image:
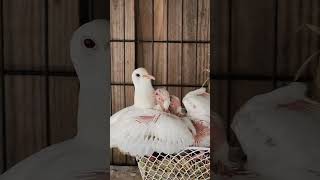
{"points": [[147, 76]]}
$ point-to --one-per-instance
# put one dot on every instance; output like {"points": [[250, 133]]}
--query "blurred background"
{"points": [[39, 87], [261, 46]]}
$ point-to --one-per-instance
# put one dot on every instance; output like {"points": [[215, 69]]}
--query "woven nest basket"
{"points": [[191, 163]]}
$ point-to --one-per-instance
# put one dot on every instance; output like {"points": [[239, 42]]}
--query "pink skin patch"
{"points": [[147, 119], [205, 94], [202, 132], [300, 105], [175, 104], [160, 96]]}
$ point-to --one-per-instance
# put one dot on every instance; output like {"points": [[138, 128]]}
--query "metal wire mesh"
{"points": [[191, 163]]}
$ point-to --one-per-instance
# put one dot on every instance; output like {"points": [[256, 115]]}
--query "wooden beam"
{"points": [[24, 36], [63, 20], [26, 125], [253, 36], [2, 99]]}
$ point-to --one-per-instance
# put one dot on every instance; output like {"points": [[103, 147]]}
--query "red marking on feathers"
{"points": [[201, 130], [174, 104], [300, 105], [161, 95], [147, 119], [205, 94]]}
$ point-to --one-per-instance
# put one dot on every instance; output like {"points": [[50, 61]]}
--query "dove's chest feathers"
{"points": [[144, 97]]}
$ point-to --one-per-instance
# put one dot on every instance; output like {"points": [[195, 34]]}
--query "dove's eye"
{"points": [[89, 43], [138, 75]]}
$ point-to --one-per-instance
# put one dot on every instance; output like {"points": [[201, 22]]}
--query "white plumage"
{"points": [[144, 92], [166, 133], [85, 152], [279, 132], [142, 129], [197, 104]]}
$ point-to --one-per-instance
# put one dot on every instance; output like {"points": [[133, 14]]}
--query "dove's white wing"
{"points": [[117, 116], [167, 133]]}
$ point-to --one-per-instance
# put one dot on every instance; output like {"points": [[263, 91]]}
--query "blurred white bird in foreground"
{"points": [[141, 129], [66, 160], [279, 133]]}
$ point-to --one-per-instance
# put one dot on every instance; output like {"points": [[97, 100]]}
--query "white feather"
{"points": [[197, 104], [168, 134]]}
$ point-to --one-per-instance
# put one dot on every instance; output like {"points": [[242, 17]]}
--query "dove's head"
{"points": [[141, 77], [143, 90], [162, 97], [89, 49]]}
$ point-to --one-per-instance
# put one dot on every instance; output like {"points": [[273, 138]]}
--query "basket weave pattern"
{"points": [[191, 163]]}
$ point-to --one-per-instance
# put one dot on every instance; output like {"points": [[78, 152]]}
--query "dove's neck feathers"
{"points": [[144, 96], [92, 113]]}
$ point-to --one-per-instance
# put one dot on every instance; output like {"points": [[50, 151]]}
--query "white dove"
{"points": [[197, 104], [141, 130]]}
